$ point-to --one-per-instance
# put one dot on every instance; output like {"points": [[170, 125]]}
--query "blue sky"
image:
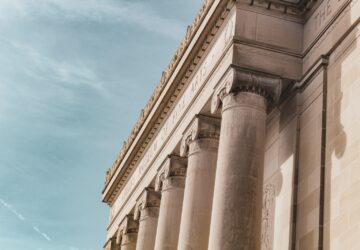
{"points": [[74, 75]]}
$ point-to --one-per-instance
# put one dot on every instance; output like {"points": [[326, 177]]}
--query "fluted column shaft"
{"points": [[237, 203], [171, 182], [200, 143], [147, 212]]}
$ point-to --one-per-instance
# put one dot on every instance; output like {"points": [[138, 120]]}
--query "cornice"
{"points": [[190, 33], [165, 82], [115, 177], [291, 7]]}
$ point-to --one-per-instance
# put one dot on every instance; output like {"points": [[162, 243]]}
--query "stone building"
{"points": [[251, 140]]}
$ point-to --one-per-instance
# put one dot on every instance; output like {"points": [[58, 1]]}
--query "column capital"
{"points": [[173, 166], [201, 127], [149, 198], [127, 226], [239, 80], [110, 244]]}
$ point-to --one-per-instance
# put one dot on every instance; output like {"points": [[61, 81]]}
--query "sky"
{"points": [[74, 76]]}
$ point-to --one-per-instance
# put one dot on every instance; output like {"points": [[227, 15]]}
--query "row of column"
{"points": [[209, 197]]}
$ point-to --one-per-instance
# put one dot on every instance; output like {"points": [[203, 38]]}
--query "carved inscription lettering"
{"points": [[174, 118], [320, 18], [322, 13]]}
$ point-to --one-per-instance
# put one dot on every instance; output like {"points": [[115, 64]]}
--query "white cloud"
{"points": [[119, 11]]}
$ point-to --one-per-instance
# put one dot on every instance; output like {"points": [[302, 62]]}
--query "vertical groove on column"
{"points": [[323, 161]]}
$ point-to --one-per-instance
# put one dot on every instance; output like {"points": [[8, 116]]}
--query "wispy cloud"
{"points": [[11, 209], [136, 13], [41, 233], [22, 218], [71, 72]]}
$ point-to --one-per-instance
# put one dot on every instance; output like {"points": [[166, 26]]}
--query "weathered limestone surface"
{"points": [[147, 212], [171, 182], [279, 173], [284, 172], [342, 188], [200, 143], [236, 214], [127, 234], [308, 201], [129, 241], [277, 31]]}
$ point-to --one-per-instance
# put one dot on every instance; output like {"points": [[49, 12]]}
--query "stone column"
{"points": [[127, 233], [147, 212], [110, 244], [170, 180], [200, 144], [237, 203]]}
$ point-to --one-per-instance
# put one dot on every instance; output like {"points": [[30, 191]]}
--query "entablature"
{"points": [[198, 38], [191, 51]]}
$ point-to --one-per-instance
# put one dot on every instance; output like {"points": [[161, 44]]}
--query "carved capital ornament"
{"points": [[127, 226], [201, 127], [173, 166], [148, 198], [236, 80]]}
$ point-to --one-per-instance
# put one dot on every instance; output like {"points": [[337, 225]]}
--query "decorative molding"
{"points": [[149, 198], [202, 127], [238, 80], [127, 226], [295, 8], [190, 32], [174, 166], [148, 143]]}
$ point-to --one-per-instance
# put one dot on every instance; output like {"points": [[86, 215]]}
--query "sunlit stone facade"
{"points": [[251, 139]]}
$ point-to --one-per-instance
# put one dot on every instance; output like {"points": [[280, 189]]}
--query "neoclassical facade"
{"points": [[251, 140]]}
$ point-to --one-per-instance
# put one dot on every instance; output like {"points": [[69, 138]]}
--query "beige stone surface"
{"points": [[342, 220], [200, 144], [171, 182], [237, 203], [270, 30], [308, 201], [127, 234], [147, 213], [287, 174], [279, 165]]}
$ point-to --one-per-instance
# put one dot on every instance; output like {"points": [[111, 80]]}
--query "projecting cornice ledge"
{"points": [[241, 80], [164, 81], [291, 7]]}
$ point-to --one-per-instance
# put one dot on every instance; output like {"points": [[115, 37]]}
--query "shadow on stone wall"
{"points": [[335, 140]]}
